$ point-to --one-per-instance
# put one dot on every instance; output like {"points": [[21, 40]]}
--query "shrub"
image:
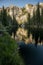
{"points": [[9, 51]]}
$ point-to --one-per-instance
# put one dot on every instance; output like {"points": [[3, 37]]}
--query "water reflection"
{"points": [[22, 35]]}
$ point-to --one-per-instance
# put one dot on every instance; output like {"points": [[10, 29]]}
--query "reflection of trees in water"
{"points": [[37, 34], [24, 34]]}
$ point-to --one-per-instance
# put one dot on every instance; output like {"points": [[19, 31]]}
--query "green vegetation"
{"points": [[34, 24], [4, 17], [9, 24], [9, 51]]}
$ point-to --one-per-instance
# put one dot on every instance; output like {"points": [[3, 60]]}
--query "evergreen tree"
{"points": [[29, 24], [1, 17], [33, 18], [4, 17], [14, 24], [9, 19], [38, 16], [41, 30], [37, 24]]}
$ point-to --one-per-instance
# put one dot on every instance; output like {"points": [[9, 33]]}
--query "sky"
{"points": [[19, 3]]}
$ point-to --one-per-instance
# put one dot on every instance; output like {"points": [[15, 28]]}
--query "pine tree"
{"points": [[1, 17], [37, 24], [38, 16], [41, 30], [14, 24], [29, 24], [4, 17], [33, 18]]}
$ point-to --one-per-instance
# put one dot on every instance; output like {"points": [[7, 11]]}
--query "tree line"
{"points": [[9, 24], [34, 24]]}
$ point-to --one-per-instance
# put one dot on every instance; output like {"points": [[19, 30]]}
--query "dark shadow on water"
{"points": [[32, 55]]}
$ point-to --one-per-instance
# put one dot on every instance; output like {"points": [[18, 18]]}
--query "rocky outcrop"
{"points": [[22, 13]]}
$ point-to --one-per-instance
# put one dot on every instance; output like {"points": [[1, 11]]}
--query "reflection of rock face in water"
{"points": [[21, 33]]}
